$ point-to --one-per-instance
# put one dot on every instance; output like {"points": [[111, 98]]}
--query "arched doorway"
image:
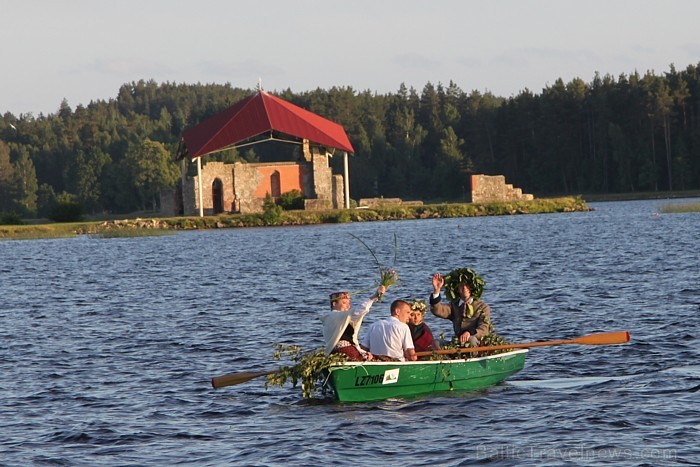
{"points": [[217, 196], [275, 184]]}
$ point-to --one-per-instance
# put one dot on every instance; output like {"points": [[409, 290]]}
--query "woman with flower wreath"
{"points": [[471, 318], [341, 325], [421, 334]]}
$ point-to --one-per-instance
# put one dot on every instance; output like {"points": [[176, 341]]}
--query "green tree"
{"points": [[633, 133], [46, 200], [448, 175], [25, 183], [87, 180], [152, 170], [66, 209], [401, 168], [249, 155], [271, 210], [7, 203], [428, 116], [293, 199]]}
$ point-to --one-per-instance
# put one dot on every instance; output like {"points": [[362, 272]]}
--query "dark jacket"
{"points": [[478, 324]]}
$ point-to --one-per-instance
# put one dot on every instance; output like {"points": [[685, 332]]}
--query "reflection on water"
{"points": [[565, 383]]}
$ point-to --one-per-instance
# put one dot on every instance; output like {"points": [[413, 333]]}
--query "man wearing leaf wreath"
{"points": [[341, 325], [471, 318]]}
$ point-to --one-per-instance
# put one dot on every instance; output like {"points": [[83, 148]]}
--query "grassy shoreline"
{"points": [[670, 208], [139, 226], [594, 198]]}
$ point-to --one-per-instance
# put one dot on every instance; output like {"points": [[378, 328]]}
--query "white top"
{"points": [[335, 322], [388, 337]]}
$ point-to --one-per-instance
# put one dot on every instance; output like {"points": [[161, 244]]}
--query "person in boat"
{"points": [[341, 325], [421, 334], [390, 339], [471, 317]]}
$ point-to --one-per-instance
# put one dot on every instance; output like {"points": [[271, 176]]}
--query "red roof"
{"points": [[259, 114]]}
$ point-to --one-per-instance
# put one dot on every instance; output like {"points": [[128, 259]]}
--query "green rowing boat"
{"points": [[368, 381]]}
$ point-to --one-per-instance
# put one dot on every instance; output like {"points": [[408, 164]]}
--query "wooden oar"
{"points": [[605, 338], [237, 378]]}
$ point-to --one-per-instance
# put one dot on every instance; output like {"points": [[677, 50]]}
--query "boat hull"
{"points": [[368, 381]]}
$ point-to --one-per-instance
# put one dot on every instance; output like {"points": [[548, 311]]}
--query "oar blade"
{"points": [[236, 378], [605, 338]]}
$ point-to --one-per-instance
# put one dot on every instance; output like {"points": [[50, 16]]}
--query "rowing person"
{"points": [[390, 339]]}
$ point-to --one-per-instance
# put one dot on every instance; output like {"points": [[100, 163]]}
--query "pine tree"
{"points": [[6, 178], [25, 184]]}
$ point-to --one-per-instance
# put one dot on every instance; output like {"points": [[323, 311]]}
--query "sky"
{"points": [[84, 50]]}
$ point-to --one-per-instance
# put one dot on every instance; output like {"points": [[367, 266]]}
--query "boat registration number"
{"points": [[388, 377]]}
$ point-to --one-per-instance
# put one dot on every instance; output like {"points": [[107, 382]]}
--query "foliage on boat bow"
{"points": [[311, 368]]}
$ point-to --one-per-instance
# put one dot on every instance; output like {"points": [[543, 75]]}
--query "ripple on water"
{"points": [[109, 344]]}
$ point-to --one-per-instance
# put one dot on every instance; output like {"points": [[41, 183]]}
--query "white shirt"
{"points": [[388, 337], [335, 322]]}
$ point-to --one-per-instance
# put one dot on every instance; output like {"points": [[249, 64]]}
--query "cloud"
{"points": [[216, 70], [692, 50], [128, 66], [416, 61], [507, 70], [238, 70], [524, 57]]}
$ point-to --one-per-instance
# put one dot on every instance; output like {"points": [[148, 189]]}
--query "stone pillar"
{"points": [[306, 151], [323, 188], [346, 181], [199, 186], [339, 200], [245, 180]]}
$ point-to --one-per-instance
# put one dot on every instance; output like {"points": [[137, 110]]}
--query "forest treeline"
{"points": [[631, 133]]}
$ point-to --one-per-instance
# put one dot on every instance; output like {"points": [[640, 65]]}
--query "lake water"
{"points": [[108, 345]]}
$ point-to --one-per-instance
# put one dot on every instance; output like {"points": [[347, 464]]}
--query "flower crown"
{"points": [[419, 305], [339, 295]]}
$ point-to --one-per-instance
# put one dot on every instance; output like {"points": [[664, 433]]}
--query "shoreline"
{"points": [[651, 195], [295, 218]]}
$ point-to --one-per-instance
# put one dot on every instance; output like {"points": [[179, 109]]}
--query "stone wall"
{"points": [[190, 201], [244, 186], [315, 204], [493, 188], [246, 179], [174, 204], [383, 202], [338, 192], [224, 173], [323, 177], [378, 202]]}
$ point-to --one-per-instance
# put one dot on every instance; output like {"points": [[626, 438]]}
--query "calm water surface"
{"points": [[108, 345]]}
